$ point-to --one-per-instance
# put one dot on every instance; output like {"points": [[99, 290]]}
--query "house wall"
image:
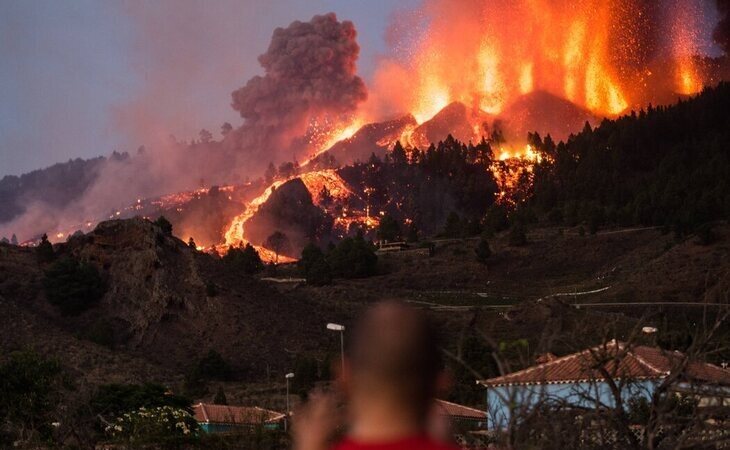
{"points": [[503, 402], [230, 428]]}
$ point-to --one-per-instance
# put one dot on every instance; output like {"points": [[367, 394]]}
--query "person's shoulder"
{"points": [[416, 443], [433, 445]]}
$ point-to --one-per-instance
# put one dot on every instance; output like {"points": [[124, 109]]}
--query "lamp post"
{"points": [[288, 377], [341, 329]]}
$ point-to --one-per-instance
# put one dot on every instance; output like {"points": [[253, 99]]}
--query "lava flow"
{"points": [[317, 183], [603, 55]]}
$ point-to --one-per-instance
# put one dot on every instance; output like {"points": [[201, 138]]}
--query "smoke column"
{"points": [[722, 31], [310, 72]]}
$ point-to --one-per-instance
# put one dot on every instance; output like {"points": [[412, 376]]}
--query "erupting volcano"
{"points": [[500, 69], [485, 72]]}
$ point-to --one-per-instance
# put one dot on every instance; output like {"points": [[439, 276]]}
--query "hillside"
{"points": [[157, 307]]}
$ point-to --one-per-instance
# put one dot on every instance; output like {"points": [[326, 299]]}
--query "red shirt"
{"points": [[412, 443]]}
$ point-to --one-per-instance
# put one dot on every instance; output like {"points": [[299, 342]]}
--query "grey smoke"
{"points": [[309, 72], [722, 30]]}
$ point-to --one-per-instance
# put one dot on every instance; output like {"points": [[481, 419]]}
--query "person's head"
{"points": [[395, 358]]}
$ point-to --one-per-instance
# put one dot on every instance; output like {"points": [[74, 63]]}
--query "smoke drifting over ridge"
{"points": [[310, 73], [722, 31]]}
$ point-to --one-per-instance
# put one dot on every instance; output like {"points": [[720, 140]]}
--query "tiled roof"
{"points": [[615, 359], [460, 411], [238, 415]]}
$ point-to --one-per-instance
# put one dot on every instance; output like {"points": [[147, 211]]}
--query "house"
{"points": [[462, 416], [594, 378], [225, 419]]}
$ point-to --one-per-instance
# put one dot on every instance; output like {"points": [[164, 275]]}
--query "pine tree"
{"points": [[45, 250], [483, 251], [220, 397]]}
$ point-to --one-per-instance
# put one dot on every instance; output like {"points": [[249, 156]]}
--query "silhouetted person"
{"points": [[392, 376]]}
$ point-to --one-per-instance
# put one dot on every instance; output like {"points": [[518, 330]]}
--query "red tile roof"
{"points": [[238, 415], [459, 411], [615, 359]]}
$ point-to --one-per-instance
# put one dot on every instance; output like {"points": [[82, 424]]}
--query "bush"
{"points": [[113, 400], [245, 259], [30, 390], [412, 233], [44, 251], [517, 236], [314, 266], [705, 234], [388, 229], [211, 290], [220, 397], [353, 258], [214, 367], [483, 251], [73, 286], [164, 225], [496, 219], [159, 425], [453, 227]]}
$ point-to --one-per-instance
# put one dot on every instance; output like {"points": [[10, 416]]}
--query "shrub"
{"points": [[159, 425], [214, 367], [245, 259], [30, 390], [453, 226], [705, 234], [164, 225], [314, 266], [483, 251], [388, 229], [517, 236], [353, 258], [112, 400], [220, 397], [44, 251], [73, 286]]}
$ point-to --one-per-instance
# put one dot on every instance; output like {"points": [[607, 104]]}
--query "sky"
{"points": [[81, 78]]}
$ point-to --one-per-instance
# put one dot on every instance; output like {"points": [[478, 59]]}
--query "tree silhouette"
{"points": [[279, 243]]}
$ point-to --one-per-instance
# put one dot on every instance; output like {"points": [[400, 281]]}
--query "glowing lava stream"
{"points": [[314, 182]]}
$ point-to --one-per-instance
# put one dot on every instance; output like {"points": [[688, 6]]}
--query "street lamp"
{"points": [[341, 329], [288, 409]]}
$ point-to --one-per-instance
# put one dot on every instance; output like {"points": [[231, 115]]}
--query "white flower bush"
{"points": [[153, 424]]}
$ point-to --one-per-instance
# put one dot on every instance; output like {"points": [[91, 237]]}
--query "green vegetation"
{"points": [[73, 286], [517, 236], [244, 259], [164, 225], [664, 166], [113, 400], [162, 426], [353, 258], [279, 243], [44, 251], [428, 185], [483, 251], [30, 392], [220, 397], [213, 367], [211, 290], [314, 266], [388, 229]]}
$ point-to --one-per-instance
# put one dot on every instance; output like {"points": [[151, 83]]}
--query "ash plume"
{"points": [[721, 34], [309, 71]]}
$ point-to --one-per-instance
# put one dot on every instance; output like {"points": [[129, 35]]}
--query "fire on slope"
{"points": [[320, 184], [603, 55]]}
